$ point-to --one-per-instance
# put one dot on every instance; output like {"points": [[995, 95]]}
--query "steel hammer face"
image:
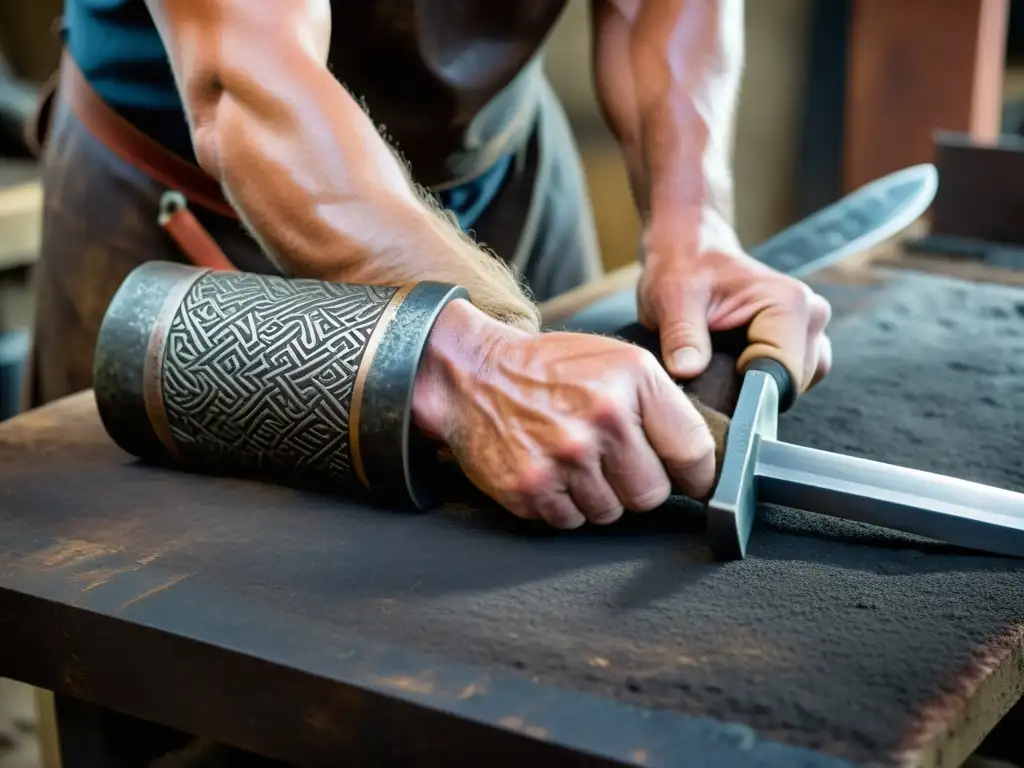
{"points": [[734, 502]]}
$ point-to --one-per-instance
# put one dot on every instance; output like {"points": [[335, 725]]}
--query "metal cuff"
{"points": [[303, 382]]}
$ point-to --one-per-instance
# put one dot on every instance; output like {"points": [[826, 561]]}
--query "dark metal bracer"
{"points": [[300, 381]]}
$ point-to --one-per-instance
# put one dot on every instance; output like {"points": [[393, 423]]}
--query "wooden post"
{"points": [[916, 67]]}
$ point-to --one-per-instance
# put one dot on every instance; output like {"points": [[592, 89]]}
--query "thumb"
{"points": [[682, 313]]}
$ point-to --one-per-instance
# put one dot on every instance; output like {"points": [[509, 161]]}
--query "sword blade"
{"points": [[864, 218], [947, 509]]}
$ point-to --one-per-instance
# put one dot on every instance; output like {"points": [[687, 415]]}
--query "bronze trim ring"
{"points": [[355, 409], [152, 375]]}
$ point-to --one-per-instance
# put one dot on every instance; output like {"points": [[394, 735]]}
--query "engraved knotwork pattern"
{"points": [[258, 373]]}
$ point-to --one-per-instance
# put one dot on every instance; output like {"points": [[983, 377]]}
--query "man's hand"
{"points": [[668, 75], [702, 281], [562, 427]]}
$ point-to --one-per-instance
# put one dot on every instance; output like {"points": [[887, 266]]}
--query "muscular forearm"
{"points": [[326, 195], [303, 163], [668, 76]]}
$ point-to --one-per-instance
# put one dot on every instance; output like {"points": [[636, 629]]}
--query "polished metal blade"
{"points": [[947, 509]]}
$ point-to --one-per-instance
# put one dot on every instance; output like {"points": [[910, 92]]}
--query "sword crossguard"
{"points": [[730, 516]]}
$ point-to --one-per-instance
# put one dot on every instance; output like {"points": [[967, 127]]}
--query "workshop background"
{"points": [[835, 93]]}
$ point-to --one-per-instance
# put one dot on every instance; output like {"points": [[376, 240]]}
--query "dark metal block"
{"points": [[981, 188], [978, 211]]}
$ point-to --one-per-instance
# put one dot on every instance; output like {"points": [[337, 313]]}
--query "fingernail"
{"points": [[685, 359]]}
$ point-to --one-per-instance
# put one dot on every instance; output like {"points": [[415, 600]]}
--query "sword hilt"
{"points": [[714, 388], [767, 390]]}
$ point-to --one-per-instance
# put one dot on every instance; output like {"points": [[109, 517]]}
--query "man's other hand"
{"points": [[562, 427], [698, 279]]}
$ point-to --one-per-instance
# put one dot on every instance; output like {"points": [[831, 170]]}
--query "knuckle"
{"points": [[635, 357], [573, 449], [640, 366], [607, 412], [798, 294], [821, 310], [530, 482]]}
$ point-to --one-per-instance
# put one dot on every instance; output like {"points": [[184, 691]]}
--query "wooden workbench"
{"points": [[314, 629]]}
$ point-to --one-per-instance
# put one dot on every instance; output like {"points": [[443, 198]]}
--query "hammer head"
{"points": [[734, 501]]}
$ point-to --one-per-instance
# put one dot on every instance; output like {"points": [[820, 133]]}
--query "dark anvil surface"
{"points": [[831, 636]]}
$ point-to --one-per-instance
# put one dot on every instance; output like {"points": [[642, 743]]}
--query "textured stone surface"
{"points": [[831, 634]]}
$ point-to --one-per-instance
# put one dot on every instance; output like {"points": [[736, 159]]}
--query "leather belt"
{"points": [[185, 182]]}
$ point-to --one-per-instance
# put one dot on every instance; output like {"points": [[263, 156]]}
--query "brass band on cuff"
{"points": [[153, 374], [359, 388]]}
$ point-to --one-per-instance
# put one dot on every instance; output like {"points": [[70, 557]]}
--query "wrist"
{"points": [[688, 233], [691, 170], [418, 244], [460, 343], [492, 286], [691, 182]]}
